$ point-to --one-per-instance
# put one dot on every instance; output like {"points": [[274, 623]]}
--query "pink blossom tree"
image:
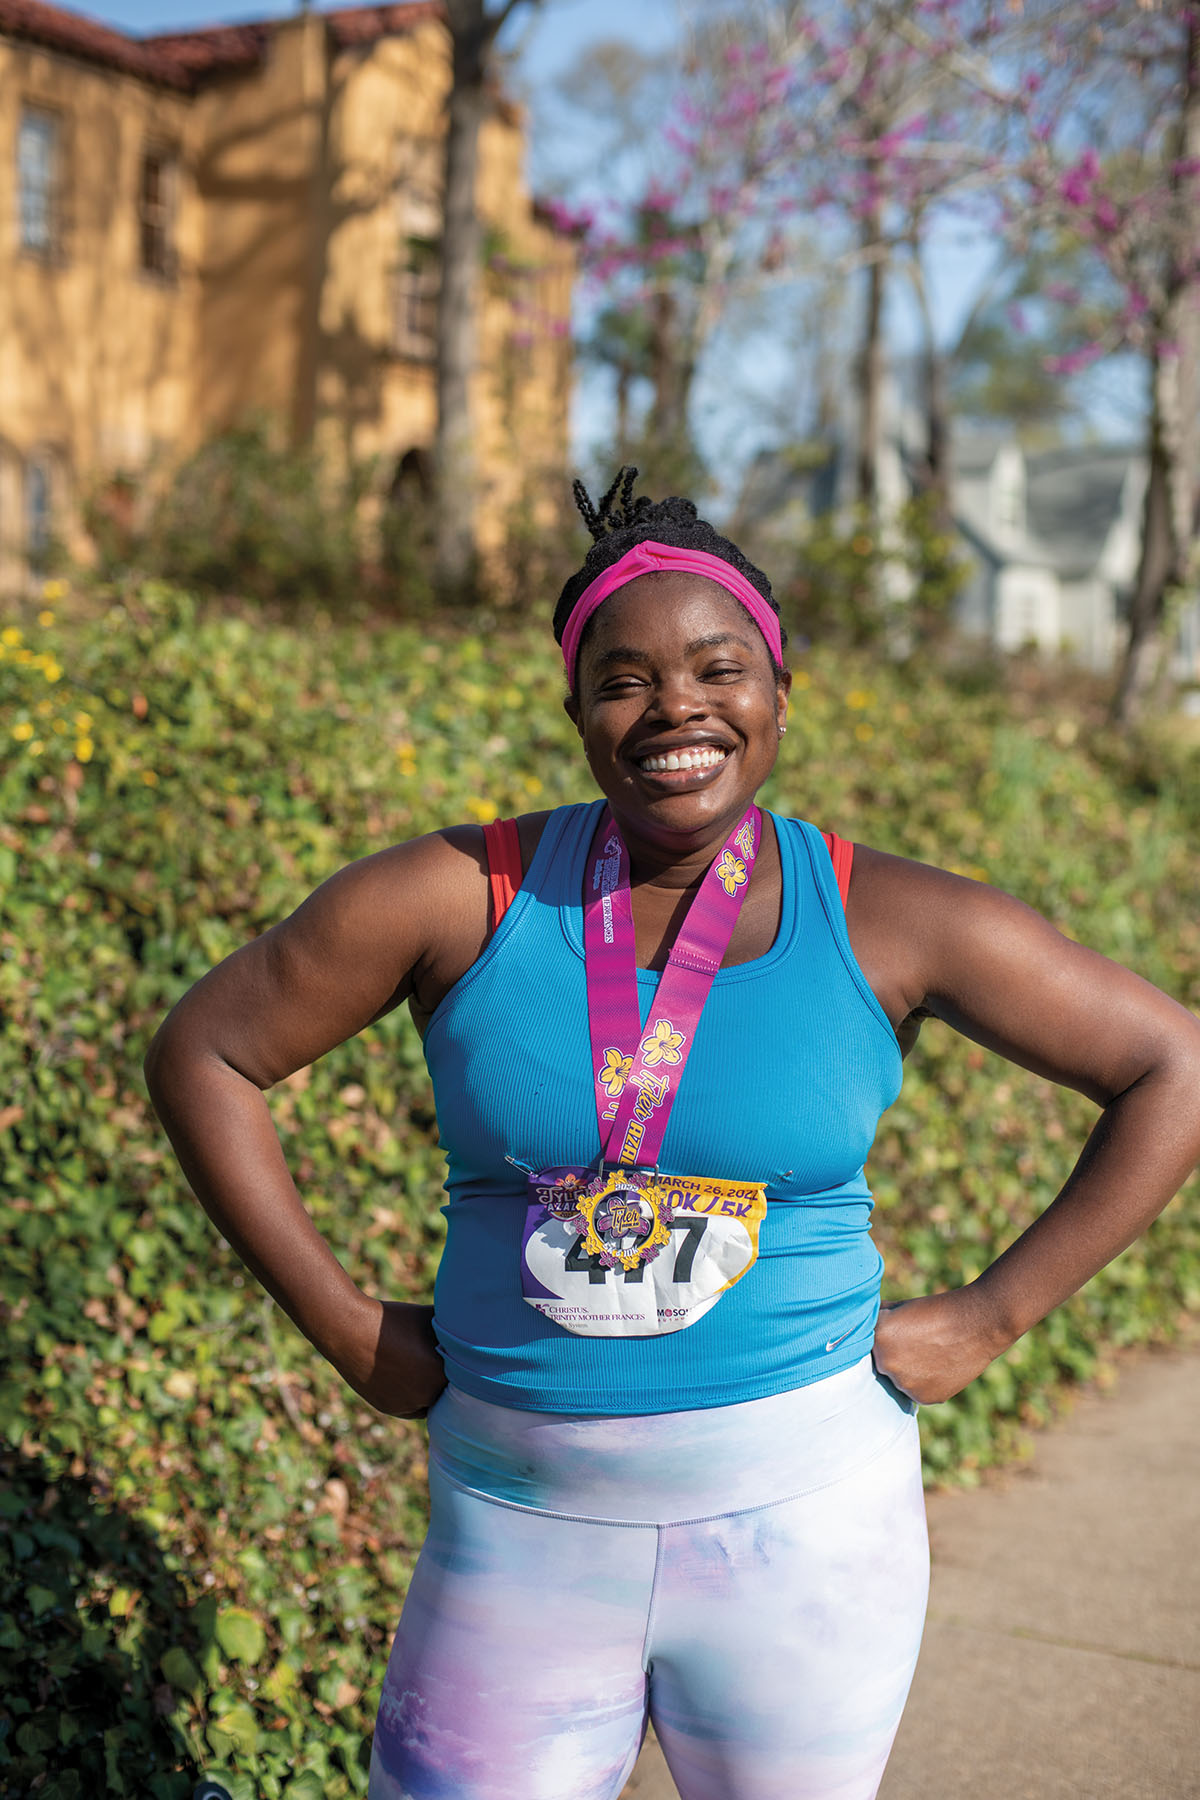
{"points": [[1113, 161], [699, 230], [1068, 124], [852, 121]]}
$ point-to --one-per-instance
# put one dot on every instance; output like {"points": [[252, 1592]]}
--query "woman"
{"points": [[675, 1471]]}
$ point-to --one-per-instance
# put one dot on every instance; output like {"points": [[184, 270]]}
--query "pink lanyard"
{"points": [[638, 1076]]}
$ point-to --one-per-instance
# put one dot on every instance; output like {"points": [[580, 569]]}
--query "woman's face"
{"points": [[678, 706]]}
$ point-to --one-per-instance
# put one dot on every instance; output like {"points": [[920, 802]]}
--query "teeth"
{"points": [[706, 757]]}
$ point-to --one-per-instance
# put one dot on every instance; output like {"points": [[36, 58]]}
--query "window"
{"points": [[39, 155], [156, 212], [38, 508], [418, 280], [418, 272]]}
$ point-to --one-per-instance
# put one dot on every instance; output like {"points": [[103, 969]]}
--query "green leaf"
{"points": [[180, 1670], [236, 1729], [66, 1785], [240, 1635], [306, 1786], [41, 1599]]}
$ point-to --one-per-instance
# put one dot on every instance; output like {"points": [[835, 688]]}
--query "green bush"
{"points": [[855, 583], [245, 515], [207, 1538]]}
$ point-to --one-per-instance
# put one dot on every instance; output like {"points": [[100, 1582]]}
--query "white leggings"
{"points": [[752, 1578]]}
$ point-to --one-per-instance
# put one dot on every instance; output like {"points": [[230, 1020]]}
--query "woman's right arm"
{"points": [[407, 921]]}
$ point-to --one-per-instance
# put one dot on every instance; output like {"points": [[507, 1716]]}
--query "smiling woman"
{"points": [[674, 1467]]}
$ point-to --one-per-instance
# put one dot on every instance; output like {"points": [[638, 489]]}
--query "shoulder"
{"points": [[925, 904], [938, 944], [919, 931], [441, 873], [466, 844]]}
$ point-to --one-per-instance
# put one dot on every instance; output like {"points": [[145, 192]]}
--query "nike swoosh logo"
{"points": [[834, 1342]]}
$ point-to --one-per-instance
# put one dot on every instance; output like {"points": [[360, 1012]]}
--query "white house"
{"points": [[1051, 539], [1052, 543]]}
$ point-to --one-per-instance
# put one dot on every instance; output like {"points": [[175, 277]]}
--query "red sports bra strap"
{"points": [[503, 847], [842, 855]]}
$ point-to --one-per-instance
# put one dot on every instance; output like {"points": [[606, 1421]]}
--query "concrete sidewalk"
{"points": [[1062, 1653]]}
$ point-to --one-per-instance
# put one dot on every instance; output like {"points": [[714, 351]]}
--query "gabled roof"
{"points": [[185, 59], [1074, 496]]}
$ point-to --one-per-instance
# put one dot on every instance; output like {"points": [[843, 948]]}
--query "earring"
{"points": [[782, 730]]}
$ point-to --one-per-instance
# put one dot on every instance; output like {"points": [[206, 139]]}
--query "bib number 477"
{"points": [[687, 1233]]}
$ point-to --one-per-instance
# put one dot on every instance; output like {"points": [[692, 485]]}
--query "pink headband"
{"points": [[646, 559]]}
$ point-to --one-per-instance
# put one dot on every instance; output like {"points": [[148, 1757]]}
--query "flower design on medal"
{"points": [[731, 871], [612, 1076], [662, 1045], [627, 1224]]}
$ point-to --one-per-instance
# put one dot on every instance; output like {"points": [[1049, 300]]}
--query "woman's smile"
{"points": [[680, 763]]}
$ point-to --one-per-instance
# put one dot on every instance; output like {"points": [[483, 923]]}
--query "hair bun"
{"points": [[618, 521]]}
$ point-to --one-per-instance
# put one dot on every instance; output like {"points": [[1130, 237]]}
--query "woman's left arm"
{"points": [[934, 943]]}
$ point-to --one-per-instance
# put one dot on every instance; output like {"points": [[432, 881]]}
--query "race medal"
{"points": [[631, 1253], [625, 1251]]}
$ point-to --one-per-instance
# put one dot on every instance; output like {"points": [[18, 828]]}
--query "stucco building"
{"points": [[200, 227]]}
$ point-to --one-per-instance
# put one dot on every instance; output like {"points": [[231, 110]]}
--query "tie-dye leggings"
{"points": [[752, 1578]]}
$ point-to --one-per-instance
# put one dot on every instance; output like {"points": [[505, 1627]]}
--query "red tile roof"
{"points": [[363, 24], [184, 59], [86, 38], [214, 51]]}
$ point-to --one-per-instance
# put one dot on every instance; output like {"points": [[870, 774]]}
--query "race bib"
{"points": [[631, 1253]]}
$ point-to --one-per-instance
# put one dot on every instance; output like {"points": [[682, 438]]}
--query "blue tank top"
{"points": [[792, 1064]]}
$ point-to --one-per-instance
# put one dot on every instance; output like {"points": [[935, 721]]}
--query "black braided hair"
{"points": [[618, 522]]}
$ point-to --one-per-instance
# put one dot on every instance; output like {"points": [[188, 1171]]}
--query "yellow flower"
{"points": [[84, 749], [149, 777], [11, 635], [483, 810], [36, 748], [51, 670], [532, 786], [860, 698], [23, 732], [53, 590], [731, 870], [864, 733], [662, 1045], [612, 1075], [83, 721], [802, 679], [45, 617], [44, 708]]}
